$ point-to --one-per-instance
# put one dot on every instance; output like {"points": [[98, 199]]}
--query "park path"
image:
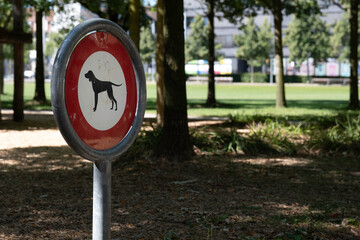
{"points": [[22, 135]]}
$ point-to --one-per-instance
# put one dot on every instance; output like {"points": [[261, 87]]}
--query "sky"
{"points": [[151, 2]]}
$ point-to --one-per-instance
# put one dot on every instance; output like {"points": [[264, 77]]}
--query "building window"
{"points": [[226, 41]]}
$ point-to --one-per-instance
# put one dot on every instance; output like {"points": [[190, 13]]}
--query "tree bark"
{"points": [[1, 74], [2, 57], [175, 139], [211, 100], [134, 25], [39, 72], [280, 85], [160, 64], [18, 102], [354, 92]]}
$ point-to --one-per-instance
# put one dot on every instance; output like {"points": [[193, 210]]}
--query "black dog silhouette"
{"points": [[101, 86]]}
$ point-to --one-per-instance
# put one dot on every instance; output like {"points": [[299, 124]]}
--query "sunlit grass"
{"points": [[232, 99]]}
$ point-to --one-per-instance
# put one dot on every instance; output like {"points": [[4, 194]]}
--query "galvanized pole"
{"points": [[102, 200]]}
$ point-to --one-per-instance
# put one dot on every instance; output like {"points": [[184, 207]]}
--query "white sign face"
{"points": [[102, 90]]}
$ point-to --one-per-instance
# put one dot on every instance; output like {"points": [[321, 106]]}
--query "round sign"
{"points": [[98, 90]]}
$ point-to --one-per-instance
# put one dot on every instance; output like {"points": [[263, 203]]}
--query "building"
{"points": [[224, 31]]}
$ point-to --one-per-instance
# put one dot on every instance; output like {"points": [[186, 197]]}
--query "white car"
{"points": [[29, 74]]}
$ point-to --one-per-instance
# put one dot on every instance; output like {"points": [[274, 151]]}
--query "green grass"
{"points": [[233, 100], [29, 92], [260, 100]]}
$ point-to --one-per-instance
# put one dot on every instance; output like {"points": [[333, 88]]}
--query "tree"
{"points": [[160, 95], [352, 7], [278, 8], [119, 11], [41, 7], [254, 44], [308, 36], [175, 139], [5, 21], [340, 38], [134, 26], [113, 10], [211, 5], [354, 27], [197, 43], [147, 45], [18, 53], [211, 101]]}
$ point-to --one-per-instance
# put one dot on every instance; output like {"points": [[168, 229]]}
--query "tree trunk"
{"points": [[280, 85], [211, 101], [39, 71], [1, 74], [252, 71], [175, 139], [160, 63], [354, 92], [18, 102], [308, 68], [134, 25], [2, 57]]}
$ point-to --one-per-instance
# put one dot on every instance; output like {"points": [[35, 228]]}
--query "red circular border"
{"points": [[97, 139]]}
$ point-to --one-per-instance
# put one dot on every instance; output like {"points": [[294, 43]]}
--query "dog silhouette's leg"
{"points": [[115, 103], [96, 101], [111, 97]]}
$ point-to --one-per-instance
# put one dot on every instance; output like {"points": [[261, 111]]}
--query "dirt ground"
{"points": [[46, 193]]}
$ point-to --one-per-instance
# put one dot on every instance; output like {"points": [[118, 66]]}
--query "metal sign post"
{"points": [[98, 94], [102, 200]]}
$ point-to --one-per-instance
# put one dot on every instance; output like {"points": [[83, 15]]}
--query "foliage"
{"points": [[341, 38], [6, 23], [257, 77], [277, 136], [235, 10], [42, 5], [54, 42], [5, 13], [297, 7], [114, 10], [254, 43], [315, 136], [308, 36], [197, 42], [343, 137], [147, 45]]}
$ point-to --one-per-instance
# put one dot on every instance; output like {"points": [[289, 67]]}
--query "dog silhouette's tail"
{"points": [[116, 84]]}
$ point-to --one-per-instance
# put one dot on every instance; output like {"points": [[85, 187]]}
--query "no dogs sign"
{"points": [[98, 90]]}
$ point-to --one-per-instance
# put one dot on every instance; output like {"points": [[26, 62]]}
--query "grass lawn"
{"points": [[260, 100], [233, 99]]}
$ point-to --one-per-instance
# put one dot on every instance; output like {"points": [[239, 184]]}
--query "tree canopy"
{"points": [[254, 44], [341, 37], [308, 36], [197, 43]]}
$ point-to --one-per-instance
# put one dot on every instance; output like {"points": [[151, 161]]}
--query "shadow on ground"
{"points": [[332, 105], [46, 193]]}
